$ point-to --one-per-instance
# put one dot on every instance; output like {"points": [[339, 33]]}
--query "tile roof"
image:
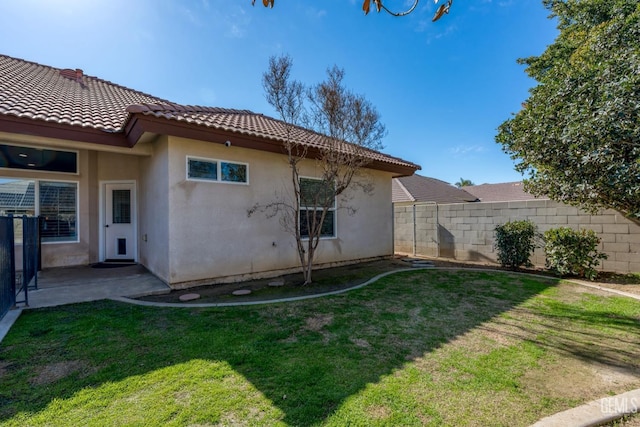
{"points": [[248, 123], [418, 188], [399, 193], [38, 92], [68, 97], [503, 192]]}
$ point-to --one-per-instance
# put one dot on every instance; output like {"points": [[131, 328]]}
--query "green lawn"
{"points": [[416, 348]]}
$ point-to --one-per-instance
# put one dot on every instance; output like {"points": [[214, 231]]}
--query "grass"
{"points": [[416, 348]]}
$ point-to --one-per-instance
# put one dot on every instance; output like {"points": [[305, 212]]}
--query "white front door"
{"points": [[119, 221]]}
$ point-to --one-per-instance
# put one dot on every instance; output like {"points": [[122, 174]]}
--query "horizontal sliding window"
{"points": [[40, 159], [217, 170]]}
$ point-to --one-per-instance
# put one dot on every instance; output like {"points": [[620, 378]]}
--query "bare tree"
{"points": [[342, 130]]}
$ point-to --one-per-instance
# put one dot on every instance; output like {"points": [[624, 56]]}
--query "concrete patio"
{"points": [[69, 285]]}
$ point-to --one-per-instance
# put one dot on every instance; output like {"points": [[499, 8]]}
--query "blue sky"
{"points": [[442, 88]]}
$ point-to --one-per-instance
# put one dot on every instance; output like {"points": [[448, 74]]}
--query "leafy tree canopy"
{"points": [[464, 183], [577, 138]]}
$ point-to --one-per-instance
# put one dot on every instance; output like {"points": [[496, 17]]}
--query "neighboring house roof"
{"points": [[17, 194], [416, 188], [503, 192], [67, 104]]}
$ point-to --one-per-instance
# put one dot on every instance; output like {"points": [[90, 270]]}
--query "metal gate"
{"points": [[12, 281], [7, 265]]}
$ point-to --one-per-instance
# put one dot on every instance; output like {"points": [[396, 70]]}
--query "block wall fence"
{"points": [[465, 231]]}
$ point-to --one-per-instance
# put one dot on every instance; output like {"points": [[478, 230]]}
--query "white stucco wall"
{"points": [[193, 232], [153, 208], [211, 237]]}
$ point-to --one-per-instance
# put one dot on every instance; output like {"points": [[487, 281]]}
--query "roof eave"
{"points": [[41, 128], [139, 124]]}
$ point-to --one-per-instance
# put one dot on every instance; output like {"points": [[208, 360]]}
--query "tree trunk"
{"points": [[308, 265]]}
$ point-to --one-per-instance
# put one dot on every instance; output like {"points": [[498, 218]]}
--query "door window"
{"points": [[122, 206]]}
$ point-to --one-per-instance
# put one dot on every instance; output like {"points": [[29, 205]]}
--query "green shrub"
{"points": [[572, 252], [515, 242]]}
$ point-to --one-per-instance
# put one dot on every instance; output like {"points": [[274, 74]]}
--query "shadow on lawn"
{"points": [[579, 332], [306, 357]]}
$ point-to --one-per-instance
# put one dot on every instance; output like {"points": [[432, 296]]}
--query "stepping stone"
{"points": [[189, 297], [276, 283], [241, 292]]}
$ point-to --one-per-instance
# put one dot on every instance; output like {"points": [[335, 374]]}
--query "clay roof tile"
{"points": [[69, 97]]}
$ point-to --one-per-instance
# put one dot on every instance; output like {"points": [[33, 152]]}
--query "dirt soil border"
{"points": [[325, 281]]}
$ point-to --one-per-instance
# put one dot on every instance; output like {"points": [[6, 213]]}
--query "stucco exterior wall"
{"points": [[110, 163], [153, 208], [113, 168], [212, 238], [466, 231], [193, 232], [117, 167]]}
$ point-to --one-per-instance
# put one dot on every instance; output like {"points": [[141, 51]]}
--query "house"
{"points": [[418, 189], [117, 174], [503, 192]]}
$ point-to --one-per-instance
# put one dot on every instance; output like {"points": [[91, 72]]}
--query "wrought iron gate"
{"points": [[13, 282], [7, 265]]}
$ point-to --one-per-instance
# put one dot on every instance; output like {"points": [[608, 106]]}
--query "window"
{"points": [[41, 159], [55, 202], [58, 207], [217, 171], [201, 169], [121, 207], [233, 172], [315, 195]]}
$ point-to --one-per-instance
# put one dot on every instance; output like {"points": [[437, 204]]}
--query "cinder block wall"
{"points": [[465, 231]]}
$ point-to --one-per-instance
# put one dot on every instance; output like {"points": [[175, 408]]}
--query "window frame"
{"points": [[334, 209], [218, 163], [37, 147], [36, 207], [77, 209]]}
